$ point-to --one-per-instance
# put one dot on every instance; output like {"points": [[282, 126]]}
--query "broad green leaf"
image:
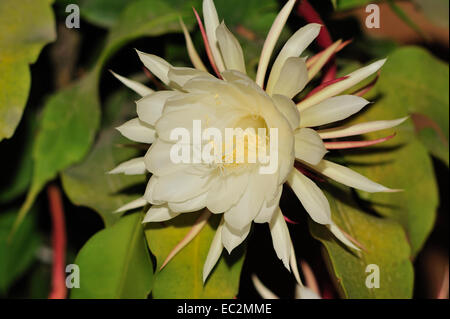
{"points": [[115, 262], [385, 245], [182, 277], [88, 183], [26, 26], [71, 117], [17, 253], [417, 83]]}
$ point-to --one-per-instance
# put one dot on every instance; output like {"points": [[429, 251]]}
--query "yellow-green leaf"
{"points": [[26, 26]]}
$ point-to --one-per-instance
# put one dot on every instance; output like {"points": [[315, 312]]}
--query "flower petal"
{"points": [[338, 87], [137, 131], [309, 146], [135, 166], [340, 235], [346, 176], [231, 238], [311, 197], [140, 202], [192, 52], [280, 238], [249, 205], [268, 208], [149, 190], [180, 186], [288, 108], [296, 44], [158, 66], [215, 250], [293, 78], [179, 76], [137, 87], [231, 49], [263, 291], [159, 213], [331, 110], [360, 128], [190, 205], [271, 40], [211, 24], [150, 107], [226, 191]]}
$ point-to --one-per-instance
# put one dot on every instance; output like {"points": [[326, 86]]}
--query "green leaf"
{"points": [[72, 116], [182, 276], [88, 183], [67, 129], [26, 27], [17, 253], [340, 5], [115, 262], [386, 246], [416, 82]]}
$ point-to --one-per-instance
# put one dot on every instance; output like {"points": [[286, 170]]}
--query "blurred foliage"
{"points": [[74, 138], [26, 27]]}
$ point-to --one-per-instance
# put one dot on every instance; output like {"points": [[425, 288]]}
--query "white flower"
{"points": [[233, 100]]}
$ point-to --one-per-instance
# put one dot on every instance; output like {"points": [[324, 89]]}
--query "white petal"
{"points": [[158, 66], [288, 108], [215, 250], [211, 24], [157, 159], [180, 186], [159, 213], [140, 202], [231, 238], [231, 49], [191, 205], [149, 108], [269, 208], [134, 166], [346, 176], [137, 131], [302, 292], [263, 291], [149, 190], [311, 197], [271, 40], [360, 128], [226, 191], [192, 52], [137, 87], [293, 78], [178, 76], [309, 146], [296, 44], [331, 110], [339, 235], [338, 87], [249, 205], [280, 237]]}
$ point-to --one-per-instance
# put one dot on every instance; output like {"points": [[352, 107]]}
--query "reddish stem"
{"points": [[306, 11], [59, 289]]}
